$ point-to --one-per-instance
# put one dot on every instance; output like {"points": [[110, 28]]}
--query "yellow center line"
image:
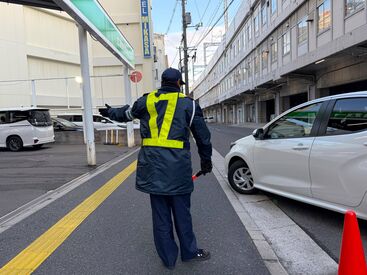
{"points": [[37, 252]]}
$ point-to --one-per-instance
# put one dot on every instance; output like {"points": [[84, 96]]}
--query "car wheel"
{"points": [[14, 143], [240, 178]]}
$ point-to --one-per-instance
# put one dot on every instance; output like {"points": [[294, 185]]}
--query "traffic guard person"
{"points": [[164, 164]]}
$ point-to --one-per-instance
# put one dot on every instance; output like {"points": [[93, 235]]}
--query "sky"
{"points": [[205, 11]]}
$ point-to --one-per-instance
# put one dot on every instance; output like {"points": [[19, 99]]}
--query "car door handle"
{"points": [[300, 147], [365, 144]]}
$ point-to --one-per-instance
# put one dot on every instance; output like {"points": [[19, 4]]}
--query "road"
{"points": [[116, 237], [30, 173], [324, 226], [113, 235]]}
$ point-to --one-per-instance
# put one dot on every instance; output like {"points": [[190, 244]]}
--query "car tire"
{"points": [[240, 178], [14, 143]]}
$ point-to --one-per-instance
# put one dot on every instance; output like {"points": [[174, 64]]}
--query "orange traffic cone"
{"points": [[352, 260]]}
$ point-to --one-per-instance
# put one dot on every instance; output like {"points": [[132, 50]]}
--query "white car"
{"points": [[99, 122], [315, 153], [20, 127]]}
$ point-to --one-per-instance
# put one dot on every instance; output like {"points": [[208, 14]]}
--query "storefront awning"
{"points": [[47, 4]]}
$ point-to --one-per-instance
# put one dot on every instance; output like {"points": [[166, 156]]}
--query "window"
{"points": [[77, 118], [348, 116], [324, 13], [256, 24], [264, 15], [257, 64], [155, 54], [351, 6], [274, 52], [244, 73], [286, 42], [156, 74], [2, 117], [40, 118], [97, 119], [244, 34], [296, 124], [249, 69], [249, 30], [302, 32], [273, 6], [16, 116], [264, 59]]}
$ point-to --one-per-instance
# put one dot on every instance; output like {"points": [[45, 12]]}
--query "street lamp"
{"points": [[78, 79]]}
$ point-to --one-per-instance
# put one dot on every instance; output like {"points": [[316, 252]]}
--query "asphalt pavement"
{"points": [[117, 237], [323, 226], [30, 173]]}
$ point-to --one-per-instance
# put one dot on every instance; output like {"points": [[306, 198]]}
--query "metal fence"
{"points": [[62, 93]]}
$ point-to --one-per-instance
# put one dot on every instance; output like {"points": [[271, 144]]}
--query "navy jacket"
{"points": [[167, 171]]}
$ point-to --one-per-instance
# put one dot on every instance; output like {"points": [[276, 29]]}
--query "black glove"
{"points": [[104, 111], [206, 166]]}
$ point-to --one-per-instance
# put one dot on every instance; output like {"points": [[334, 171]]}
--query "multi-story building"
{"points": [[280, 53], [160, 58], [39, 51]]}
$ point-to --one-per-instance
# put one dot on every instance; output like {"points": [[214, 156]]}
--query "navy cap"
{"points": [[172, 75]]}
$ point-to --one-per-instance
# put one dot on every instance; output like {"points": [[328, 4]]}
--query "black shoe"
{"points": [[201, 255], [170, 267]]}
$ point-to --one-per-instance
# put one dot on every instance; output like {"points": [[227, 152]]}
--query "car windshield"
{"points": [[66, 122]]}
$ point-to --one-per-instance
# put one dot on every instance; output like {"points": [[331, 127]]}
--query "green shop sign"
{"points": [[91, 15]]}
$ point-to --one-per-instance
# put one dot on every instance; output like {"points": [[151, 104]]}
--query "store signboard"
{"points": [[145, 28]]}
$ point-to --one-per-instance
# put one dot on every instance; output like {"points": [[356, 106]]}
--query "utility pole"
{"points": [[184, 38], [180, 64]]}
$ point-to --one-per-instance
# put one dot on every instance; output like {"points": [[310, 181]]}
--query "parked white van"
{"points": [[20, 127]]}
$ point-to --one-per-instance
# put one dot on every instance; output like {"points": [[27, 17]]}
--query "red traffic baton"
{"points": [[198, 174]]}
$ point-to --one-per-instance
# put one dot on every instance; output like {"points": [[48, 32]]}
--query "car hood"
{"points": [[246, 140]]}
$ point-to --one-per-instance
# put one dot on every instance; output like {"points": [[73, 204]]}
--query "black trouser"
{"points": [[162, 209]]}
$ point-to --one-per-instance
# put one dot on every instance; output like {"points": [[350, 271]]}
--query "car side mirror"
{"points": [[258, 133], [104, 121]]}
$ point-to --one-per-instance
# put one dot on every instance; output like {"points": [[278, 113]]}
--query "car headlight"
{"points": [[232, 144]]}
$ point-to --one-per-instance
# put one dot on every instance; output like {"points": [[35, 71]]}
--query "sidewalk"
{"points": [[250, 125]]}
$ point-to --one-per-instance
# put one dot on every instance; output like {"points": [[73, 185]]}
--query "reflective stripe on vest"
{"points": [[160, 138]]}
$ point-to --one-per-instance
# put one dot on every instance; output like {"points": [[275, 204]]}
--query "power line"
{"points": [[210, 20], [171, 20], [197, 8], [178, 50], [201, 40], [201, 19]]}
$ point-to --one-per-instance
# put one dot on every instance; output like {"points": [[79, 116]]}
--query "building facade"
{"points": [[280, 53], [39, 52], [160, 58]]}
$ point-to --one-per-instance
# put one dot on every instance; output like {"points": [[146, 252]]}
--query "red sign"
{"points": [[136, 76]]}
